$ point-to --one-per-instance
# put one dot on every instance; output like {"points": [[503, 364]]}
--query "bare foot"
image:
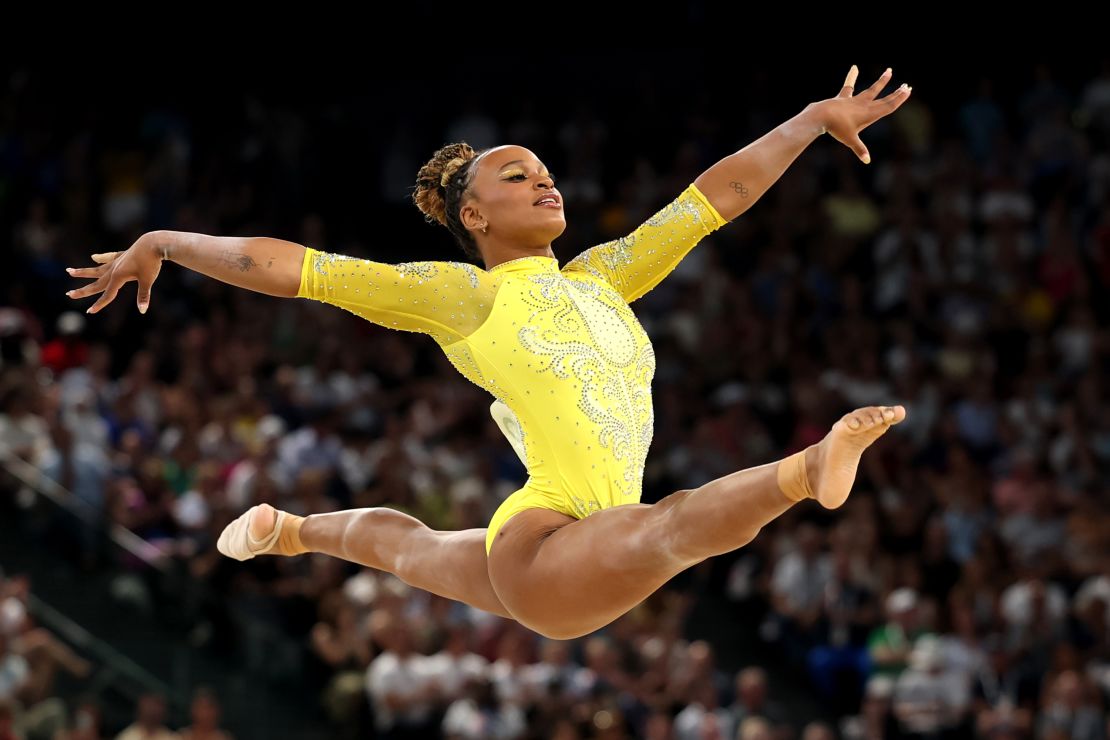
{"points": [[832, 471]]}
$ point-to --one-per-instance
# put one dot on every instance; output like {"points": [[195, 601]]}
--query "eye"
{"points": [[521, 174]]}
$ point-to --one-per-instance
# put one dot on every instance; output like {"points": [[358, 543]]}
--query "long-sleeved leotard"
{"points": [[559, 347]]}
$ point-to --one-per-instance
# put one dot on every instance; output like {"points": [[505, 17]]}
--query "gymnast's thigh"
{"points": [[566, 577]]}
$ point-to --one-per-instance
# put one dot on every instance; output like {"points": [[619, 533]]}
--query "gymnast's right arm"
{"points": [[261, 264], [447, 300]]}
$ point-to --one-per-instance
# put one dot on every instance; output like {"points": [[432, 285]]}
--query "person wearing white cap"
{"points": [[890, 644]]}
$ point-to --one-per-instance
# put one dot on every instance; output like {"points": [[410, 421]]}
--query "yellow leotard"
{"points": [[559, 347]]}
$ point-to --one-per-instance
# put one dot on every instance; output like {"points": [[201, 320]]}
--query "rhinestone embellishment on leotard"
{"points": [[613, 362], [684, 218], [327, 258]]}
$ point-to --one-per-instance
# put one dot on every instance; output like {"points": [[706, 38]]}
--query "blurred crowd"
{"points": [[963, 590]]}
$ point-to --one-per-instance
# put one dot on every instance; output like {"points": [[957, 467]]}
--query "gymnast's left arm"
{"points": [[636, 263], [735, 183]]}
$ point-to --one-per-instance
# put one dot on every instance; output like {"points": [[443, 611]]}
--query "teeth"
{"points": [[546, 200]]}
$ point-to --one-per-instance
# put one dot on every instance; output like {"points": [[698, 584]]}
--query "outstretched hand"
{"points": [[114, 269], [844, 116]]}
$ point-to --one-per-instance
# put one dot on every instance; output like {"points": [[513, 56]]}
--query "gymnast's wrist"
{"points": [[815, 118], [159, 243]]}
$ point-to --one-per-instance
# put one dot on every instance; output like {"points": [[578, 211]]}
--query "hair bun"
{"points": [[439, 192], [450, 169], [433, 179]]}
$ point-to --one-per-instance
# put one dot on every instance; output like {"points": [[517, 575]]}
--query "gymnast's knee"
{"points": [[671, 534], [412, 540], [681, 538]]}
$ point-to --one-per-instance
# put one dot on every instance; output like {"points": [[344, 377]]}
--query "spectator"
{"points": [[150, 718], [890, 645], [798, 587], [401, 692], [205, 716], [751, 699], [926, 702], [478, 714]]}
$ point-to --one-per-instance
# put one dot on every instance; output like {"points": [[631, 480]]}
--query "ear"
{"points": [[471, 218]]}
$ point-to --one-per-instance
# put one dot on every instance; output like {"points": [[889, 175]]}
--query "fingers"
{"points": [[86, 272], [896, 98], [105, 282], [91, 272], [99, 273], [880, 83], [144, 295], [145, 283], [109, 296], [90, 289], [873, 111], [858, 147], [849, 83]]}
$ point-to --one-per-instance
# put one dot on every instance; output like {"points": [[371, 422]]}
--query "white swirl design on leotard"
{"points": [[614, 363]]}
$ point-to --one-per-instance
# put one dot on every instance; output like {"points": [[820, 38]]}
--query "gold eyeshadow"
{"points": [[512, 173]]}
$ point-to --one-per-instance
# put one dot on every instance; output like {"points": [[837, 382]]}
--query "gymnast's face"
{"points": [[508, 183]]}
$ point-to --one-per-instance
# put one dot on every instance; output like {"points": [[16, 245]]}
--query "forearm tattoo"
{"points": [[740, 188], [244, 262]]}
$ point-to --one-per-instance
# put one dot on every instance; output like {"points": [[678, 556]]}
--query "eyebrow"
{"points": [[516, 161]]}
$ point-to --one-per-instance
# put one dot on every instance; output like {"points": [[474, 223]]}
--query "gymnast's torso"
{"points": [[559, 347]]}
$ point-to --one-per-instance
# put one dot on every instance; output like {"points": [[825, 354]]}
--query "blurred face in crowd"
{"points": [[1068, 690], [710, 728], [599, 656], [205, 712], [400, 638], [754, 728], [555, 652], [151, 710], [751, 688], [907, 619], [818, 731], [503, 192], [809, 541], [706, 695], [700, 655], [391, 633], [659, 726], [87, 719], [565, 730]]}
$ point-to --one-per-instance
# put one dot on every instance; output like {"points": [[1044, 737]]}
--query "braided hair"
{"points": [[440, 186]]}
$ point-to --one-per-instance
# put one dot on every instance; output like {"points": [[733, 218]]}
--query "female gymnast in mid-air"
{"points": [[570, 368]]}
